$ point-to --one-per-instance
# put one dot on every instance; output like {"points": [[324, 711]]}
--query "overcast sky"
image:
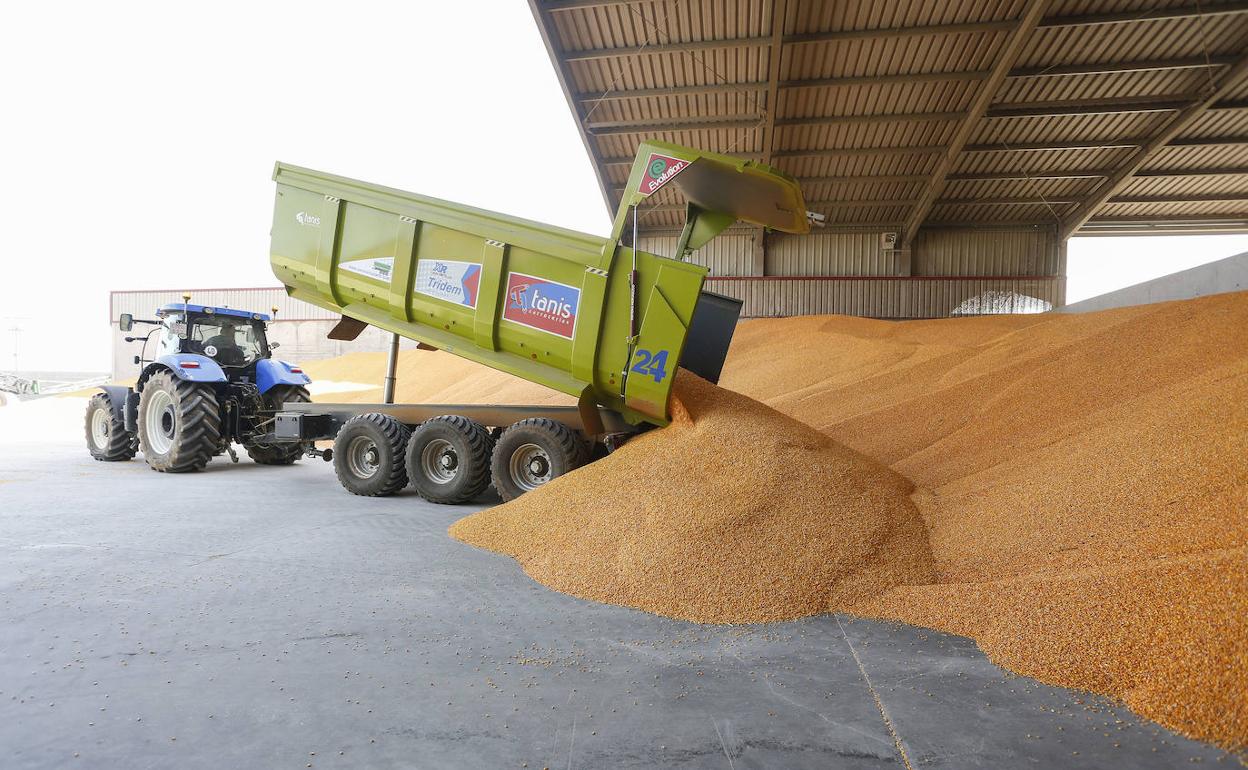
{"points": [[139, 139]]}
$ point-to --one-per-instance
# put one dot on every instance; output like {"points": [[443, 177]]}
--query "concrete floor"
{"points": [[262, 617]]}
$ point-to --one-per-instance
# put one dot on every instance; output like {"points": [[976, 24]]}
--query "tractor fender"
{"points": [[117, 400], [189, 367], [270, 372]]}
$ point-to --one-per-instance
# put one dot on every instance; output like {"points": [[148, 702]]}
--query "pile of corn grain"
{"points": [[721, 517], [1081, 486]]}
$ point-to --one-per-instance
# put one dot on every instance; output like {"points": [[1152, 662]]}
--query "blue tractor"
{"points": [[211, 382]]}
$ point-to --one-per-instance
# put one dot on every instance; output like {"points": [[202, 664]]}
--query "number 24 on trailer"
{"points": [[651, 364]]}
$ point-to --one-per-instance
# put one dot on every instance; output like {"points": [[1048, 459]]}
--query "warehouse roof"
{"points": [[1091, 115]]}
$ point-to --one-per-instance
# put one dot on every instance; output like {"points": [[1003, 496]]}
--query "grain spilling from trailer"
{"points": [[734, 527], [1069, 490]]}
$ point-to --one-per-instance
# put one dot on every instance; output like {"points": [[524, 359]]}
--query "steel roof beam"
{"points": [[1107, 68], [628, 161], [774, 54], [1105, 106], [1178, 123], [839, 152], [842, 203], [1110, 144], [1182, 12], [898, 117], [764, 41], [1207, 141], [1209, 171], [1090, 144], [866, 179], [1022, 27], [1209, 198], [656, 93], [1105, 144], [1009, 176], [1053, 70], [1238, 217], [873, 179], [1155, 14], [604, 128], [1058, 200], [1021, 200], [611, 127]]}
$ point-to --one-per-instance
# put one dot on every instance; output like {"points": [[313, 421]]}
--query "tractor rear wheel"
{"points": [[107, 437], [286, 452], [368, 455], [179, 424], [448, 459], [532, 452]]}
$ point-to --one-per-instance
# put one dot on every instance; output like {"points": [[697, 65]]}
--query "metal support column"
{"points": [[392, 363]]}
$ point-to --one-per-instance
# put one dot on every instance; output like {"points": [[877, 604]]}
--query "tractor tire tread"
{"points": [[199, 424], [122, 445]]}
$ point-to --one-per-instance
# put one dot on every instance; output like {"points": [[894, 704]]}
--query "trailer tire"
{"points": [[179, 424], [286, 452], [107, 437], [368, 455], [448, 459], [532, 452]]}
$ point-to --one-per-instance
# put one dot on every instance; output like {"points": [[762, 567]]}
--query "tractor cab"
{"points": [[232, 338]]}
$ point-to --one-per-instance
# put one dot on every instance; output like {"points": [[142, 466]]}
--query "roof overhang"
{"points": [[1091, 120]]}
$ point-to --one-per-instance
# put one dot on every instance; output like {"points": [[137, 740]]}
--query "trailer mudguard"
{"points": [[189, 367], [270, 372]]}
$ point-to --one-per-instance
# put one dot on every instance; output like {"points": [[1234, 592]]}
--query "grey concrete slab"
{"points": [[952, 708], [262, 617]]}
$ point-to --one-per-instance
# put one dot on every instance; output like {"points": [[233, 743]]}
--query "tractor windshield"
{"points": [[229, 341]]}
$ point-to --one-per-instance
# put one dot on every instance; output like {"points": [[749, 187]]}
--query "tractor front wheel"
{"points": [[287, 452], [179, 424], [107, 437]]}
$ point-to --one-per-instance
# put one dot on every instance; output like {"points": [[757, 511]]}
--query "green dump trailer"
{"points": [[585, 315]]}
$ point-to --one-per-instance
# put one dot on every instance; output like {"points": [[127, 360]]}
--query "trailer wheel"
{"points": [[179, 424], [448, 459], [285, 452], [532, 452], [368, 455], [107, 437]]}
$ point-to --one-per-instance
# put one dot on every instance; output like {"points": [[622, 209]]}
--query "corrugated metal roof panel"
{"points": [[1213, 184], [719, 52]]}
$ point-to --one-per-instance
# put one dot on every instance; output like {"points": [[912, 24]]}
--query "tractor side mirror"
{"points": [[137, 361], [274, 345], [125, 322]]}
